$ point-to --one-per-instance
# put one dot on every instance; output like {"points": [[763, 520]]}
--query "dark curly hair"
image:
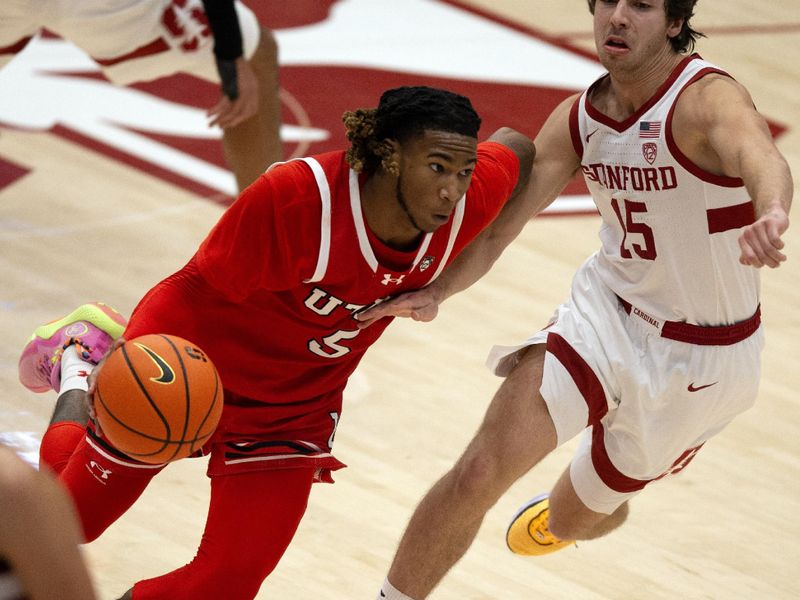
{"points": [[676, 9], [404, 113]]}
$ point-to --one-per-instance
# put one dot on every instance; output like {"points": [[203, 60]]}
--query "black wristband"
{"points": [[224, 25], [227, 74]]}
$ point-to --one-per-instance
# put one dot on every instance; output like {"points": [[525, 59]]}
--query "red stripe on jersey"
{"points": [[685, 162], [154, 47], [574, 127], [15, 47], [588, 384], [620, 126], [730, 217]]}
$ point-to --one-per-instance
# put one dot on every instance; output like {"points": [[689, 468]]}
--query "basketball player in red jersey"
{"points": [[216, 40], [658, 347], [272, 295]]}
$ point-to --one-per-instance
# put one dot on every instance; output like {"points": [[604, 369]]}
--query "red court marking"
{"points": [[500, 104]]}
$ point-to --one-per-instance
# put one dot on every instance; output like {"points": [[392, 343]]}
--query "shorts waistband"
{"points": [[722, 335]]}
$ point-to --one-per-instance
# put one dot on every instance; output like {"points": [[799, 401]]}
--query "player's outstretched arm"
{"points": [[739, 135], [39, 533], [239, 100]]}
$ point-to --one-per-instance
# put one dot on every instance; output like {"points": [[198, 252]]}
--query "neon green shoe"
{"points": [[92, 328], [528, 533]]}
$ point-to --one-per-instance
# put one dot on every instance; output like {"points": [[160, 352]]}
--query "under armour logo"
{"points": [[387, 279], [98, 472]]}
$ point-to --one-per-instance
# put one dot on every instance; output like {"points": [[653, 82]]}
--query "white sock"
{"points": [[389, 592], [74, 371]]}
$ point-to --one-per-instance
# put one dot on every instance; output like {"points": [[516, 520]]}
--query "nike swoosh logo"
{"points": [[590, 135], [167, 374], [691, 387], [382, 594]]}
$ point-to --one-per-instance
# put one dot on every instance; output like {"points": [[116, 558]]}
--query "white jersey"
{"points": [[669, 234], [131, 40]]}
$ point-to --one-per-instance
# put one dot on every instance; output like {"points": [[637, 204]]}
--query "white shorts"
{"points": [[646, 403], [131, 40]]}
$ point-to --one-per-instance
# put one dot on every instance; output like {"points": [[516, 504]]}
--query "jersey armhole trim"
{"points": [[325, 220]]}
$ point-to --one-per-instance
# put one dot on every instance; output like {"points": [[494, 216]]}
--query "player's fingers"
{"points": [[217, 113], [768, 244], [425, 313], [747, 256], [365, 323], [235, 115]]}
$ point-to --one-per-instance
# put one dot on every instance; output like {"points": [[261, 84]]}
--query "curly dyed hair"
{"points": [[676, 9], [404, 113]]}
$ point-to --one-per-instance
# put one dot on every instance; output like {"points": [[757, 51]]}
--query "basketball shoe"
{"points": [[92, 328], [529, 534]]}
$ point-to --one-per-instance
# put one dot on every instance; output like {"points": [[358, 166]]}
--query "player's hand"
{"points": [[420, 305], [92, 381], [231, 112], [761, 242]]}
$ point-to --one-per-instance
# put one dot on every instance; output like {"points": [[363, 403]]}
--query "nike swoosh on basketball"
{"points": [[167, 374], [691, 387], [591, 134]]}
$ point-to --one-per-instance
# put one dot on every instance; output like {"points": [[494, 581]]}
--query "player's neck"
{"points": [[627, 91], [384, 215]]}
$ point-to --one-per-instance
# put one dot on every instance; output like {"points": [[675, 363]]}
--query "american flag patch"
{"points": [[649, 129]]}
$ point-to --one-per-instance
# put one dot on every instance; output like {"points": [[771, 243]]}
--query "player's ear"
{"points": [[390, 151]]}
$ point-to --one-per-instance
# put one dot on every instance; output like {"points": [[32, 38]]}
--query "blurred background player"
{"points": [[141, 40], [39, 536]]}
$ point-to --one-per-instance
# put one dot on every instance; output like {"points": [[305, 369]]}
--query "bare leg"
{"points": [[253, 145], [71, 406], [516, 433], [570, 519]]}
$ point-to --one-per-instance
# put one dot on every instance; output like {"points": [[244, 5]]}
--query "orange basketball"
{"points": [[158, 398]]}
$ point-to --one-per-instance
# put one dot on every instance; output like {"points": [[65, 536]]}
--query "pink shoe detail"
{"points": [[92, 328]]}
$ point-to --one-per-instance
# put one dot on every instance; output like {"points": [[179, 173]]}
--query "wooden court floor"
{"points": [[82, 227]]}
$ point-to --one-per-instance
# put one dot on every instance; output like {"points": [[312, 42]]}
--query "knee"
{"points": [[479, 479]]}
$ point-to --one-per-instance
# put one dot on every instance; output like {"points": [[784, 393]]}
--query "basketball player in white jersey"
{"points": [[141, 40], [658, 347]]}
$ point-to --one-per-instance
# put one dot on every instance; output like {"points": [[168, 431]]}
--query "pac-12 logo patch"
{"points": [[650, 151]]}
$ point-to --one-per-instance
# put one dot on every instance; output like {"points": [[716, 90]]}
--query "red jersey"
{"points": [[272, 291]]}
